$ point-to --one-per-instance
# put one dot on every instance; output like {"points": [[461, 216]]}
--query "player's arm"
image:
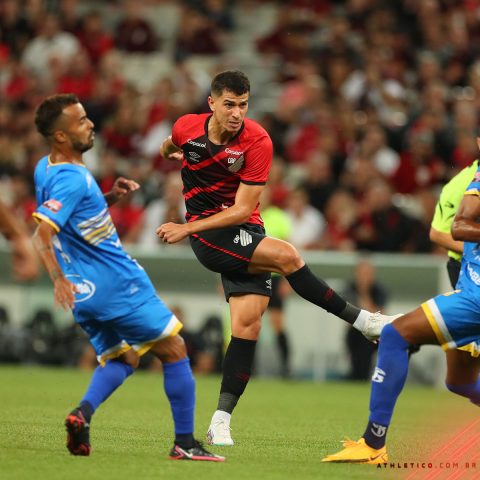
{"points": [[446, 240], [121, 187], [465, 225], [171, 151], [43, 243], [246, 200], [24, 259]]}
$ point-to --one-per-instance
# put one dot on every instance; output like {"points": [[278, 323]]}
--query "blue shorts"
{"points": [[140, 330], [455, 319]]}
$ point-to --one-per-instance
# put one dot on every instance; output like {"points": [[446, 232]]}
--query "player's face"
{"points": [[78, 128], [229, 109]]}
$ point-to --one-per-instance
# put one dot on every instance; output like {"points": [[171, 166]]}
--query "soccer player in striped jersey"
{"points": [[109, 293], [226, 160]]}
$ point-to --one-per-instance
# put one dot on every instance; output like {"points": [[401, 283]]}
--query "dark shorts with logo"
{"points": [[228, 251]]}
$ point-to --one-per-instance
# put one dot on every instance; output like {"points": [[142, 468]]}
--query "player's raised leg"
{"points": [[387, 383], [273, 255], [179, 386], [246, 313]]}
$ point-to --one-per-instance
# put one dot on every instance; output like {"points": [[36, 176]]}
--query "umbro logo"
{"points": [[194, 156], [269, 284], [378, 375], [244, 238]]}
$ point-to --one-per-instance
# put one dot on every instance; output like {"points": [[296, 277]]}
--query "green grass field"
{"points": [[282, 429]]}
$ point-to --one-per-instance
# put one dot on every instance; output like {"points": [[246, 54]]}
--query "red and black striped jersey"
{"points": [[212, 173]]}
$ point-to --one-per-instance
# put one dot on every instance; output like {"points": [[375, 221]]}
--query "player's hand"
{"points": [[64, 293], [170, 151], [24, 259], [176, 156], [172, 232], [123, 186]]}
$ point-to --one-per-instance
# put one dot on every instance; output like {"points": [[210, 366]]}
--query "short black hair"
{"points": [[234, 81], [50, 110]]}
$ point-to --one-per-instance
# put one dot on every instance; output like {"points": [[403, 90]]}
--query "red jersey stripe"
{"points": [[196, 190]]}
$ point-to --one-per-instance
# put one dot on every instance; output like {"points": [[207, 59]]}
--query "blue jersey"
{"points": [[470, 272], [110, 283]]}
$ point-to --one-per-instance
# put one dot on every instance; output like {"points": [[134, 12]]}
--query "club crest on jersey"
{"points": [[53, 205], [235, 164], [85, 288]]}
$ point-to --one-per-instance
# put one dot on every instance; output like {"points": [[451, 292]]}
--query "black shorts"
{"points": [[276, 300], [453, 269], [228, 251]]}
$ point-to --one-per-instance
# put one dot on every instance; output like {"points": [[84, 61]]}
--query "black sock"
{"points": [[316, 291], [237, 368], [375, 435], [184, 440], [282, 342], [87, 411]]}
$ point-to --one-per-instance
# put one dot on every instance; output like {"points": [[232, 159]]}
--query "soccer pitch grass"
{"points": [[282, 430]]}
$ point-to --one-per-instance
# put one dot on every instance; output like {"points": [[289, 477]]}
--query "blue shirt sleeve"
{"points": [[474, 186], [65, 192]]}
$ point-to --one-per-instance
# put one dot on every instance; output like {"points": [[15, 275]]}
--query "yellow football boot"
{"points": [[358, 452]]}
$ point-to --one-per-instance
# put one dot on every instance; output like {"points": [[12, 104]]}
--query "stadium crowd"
{"points": [[372, 105]]}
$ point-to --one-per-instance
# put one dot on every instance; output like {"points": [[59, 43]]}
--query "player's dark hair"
{"points": [[50, 110], [232, 80]]}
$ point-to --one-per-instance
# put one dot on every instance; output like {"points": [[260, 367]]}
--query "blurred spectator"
{"points": [[93, 37], [205, 345], [307, 222], [128, 218], [319, 182], [277, 183], [15, 30], [195, 35], [340, 216], [419, 167], [121, 132], [383, 227], [78, 77], [69, 17], [169, 208], [48, 53], [366, 292], [278, 225], [22, 199], [134, 33], [218, 12]]}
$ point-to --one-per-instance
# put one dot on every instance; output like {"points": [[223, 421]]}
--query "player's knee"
{"points": [[130, 358], [171, 349], [247, 327], [288, 260]]}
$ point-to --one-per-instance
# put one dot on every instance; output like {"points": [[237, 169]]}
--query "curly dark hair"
{"points": [[234, 81], [50, 110]]}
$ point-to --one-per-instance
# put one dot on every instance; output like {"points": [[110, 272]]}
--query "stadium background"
{"points": [[372, 106]]}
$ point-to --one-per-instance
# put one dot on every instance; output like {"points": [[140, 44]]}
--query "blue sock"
{"points": [[387, 383], [104, 382], [469, 390], [179, 386]]}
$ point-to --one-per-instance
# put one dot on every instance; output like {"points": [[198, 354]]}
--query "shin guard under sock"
{"points": [[237, 368]]}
